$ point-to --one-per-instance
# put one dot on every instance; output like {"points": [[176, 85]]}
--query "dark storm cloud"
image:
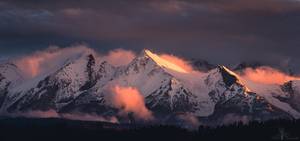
{"points": [[222, 31]]}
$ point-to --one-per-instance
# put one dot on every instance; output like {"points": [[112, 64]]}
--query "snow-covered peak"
{"points": [[229, 77], [164, 63], [83, 82], [64, 84], [11, 74]]}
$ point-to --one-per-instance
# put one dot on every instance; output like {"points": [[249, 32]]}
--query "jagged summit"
{"points": [[164, 63], [231, 77]]}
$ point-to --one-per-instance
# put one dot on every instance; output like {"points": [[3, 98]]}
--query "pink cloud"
{"points": [[129, 100]]}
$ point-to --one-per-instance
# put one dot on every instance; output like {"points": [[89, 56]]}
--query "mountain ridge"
{"points": [[82, 85]]}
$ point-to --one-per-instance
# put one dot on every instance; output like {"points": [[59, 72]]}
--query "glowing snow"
{"points": [[164, 63]]}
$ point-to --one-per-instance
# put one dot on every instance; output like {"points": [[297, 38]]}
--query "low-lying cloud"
{"points": [[267, 75], [72, 116], [190, 120], [178, 61], [129, 100], [90, 117], [119, 57], [41, 62]]}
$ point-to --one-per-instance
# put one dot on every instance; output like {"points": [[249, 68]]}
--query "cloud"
{"points": [[72, 116], [119, 57], [178, 61], [72, 11], [44, 61], [267, 6], [129, 100], [170, 7], [50, 59], [89, 117], [209, 29], [191, 120], [267, 75]]}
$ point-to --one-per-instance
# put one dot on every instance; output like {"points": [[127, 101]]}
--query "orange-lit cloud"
{"points": [[165, 63], [178, 61], [30, 65], [267, 75], [43, 61], [129, 100], [53, 57], [119, 57], [171, 62]]}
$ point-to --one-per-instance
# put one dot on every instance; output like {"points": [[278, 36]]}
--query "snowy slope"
{"points": [[273, 93], [9, 73], [82, 83], [162, 91], [291, 95], [61, 84], [10, 77]]}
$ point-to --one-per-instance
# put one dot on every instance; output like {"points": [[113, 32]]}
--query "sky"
{"points": [[220, 31]]}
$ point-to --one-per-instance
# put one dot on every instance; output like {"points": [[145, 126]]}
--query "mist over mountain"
{"points": [[149, 69]]}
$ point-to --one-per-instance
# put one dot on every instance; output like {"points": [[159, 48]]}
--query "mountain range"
{"points": [[84, 85]]}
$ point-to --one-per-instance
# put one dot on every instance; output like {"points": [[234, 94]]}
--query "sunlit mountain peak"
{"points": [[165, 63]]}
